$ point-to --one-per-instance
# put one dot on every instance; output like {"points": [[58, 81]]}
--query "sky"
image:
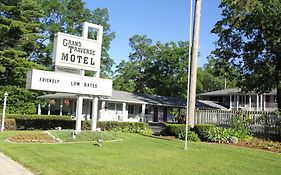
{"points": [[160, 20]]}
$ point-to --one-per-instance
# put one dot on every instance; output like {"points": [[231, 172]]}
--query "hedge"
{"points": [[173, 130], [47, 122], [37, 117], [131, 127]]}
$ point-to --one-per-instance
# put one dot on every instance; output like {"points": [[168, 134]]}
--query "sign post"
{"points": [[3, 113]]}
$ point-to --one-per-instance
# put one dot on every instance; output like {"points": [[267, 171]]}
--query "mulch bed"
{"points": [[32, 138], [261, 144]]}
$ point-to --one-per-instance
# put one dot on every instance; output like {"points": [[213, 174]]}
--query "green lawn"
{"points": [[137, 154]]}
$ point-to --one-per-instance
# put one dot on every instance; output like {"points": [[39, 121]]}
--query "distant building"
{"points": [[235, 99]]}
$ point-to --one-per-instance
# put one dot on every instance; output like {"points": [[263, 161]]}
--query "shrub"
{"points": [[192, 136], [202, 129], [131, 127], [179, 130], [217, 134], [222, 135]]}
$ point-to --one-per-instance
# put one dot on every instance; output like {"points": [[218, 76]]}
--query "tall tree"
{"points": [[19, 32], [19, 28], [224, 72], [19, 25], [249, 37], [67, 16], [154, 68]]}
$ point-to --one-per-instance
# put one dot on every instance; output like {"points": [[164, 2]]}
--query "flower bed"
{"points": [[32, 138]]}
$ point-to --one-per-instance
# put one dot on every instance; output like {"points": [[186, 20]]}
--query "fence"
{"points": [[264, 123]]}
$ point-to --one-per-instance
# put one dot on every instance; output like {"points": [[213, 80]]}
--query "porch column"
{"points": [[261, 100], [103, 105], [61, 105], [49, 108], [125, 116], [94, 114], [89, 109], [250, 102], [79, 106], [264, 103], [39, 109], [142, 112], [230, 102], [237, 102], [257, 102]]}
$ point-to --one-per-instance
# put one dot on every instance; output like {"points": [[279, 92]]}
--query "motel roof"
{"points": [[139, 98], [232, 91]]}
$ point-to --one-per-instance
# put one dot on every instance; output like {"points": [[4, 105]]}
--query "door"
{"points": [[155, 114], [165, 114]]}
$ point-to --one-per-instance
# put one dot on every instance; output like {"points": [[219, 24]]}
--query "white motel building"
{"points": [[122, 106]]}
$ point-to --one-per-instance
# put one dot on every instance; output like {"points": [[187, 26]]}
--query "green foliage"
{"points": [[240, 125], [218, 75], [202, 129], [42, 122], [131, 127], [19, 25], [217, 134], [20, 100], [192, 136], [34, 117], [249, 38], [211, 133], [179, 130], [15, 67], [222, 135], [154, 68]]}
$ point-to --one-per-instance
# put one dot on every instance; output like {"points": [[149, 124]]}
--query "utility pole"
{"points": [[194, 60]]}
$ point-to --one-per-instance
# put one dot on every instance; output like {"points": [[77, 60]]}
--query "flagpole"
{"points": [[188, 77]]}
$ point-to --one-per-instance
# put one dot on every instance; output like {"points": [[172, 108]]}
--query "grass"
{"points": [[137, 154]]}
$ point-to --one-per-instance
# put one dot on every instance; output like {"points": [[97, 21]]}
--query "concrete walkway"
{"points": [[10, 167]]}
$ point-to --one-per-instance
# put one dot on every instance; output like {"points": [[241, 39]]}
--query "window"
{"points": [[131, 109], [140, 109], [111, 106], [119, 107]]}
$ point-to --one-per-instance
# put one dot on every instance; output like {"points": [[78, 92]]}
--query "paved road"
{"points": [[10, 167]]}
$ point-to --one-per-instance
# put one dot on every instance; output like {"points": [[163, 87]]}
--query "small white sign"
{"points": [[69, 83], [76, 52]]}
